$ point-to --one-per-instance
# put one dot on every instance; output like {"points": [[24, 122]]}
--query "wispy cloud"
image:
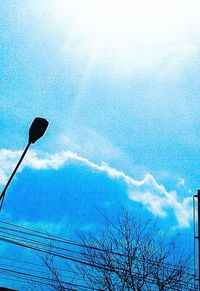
{"points": [[152, 195], [181, 182]]}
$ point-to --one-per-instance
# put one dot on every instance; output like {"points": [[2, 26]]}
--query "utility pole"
{"points": [[198, 211], [196, 237]]}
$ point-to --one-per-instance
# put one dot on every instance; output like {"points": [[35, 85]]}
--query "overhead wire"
{"points": [[37, 265], [40, 243], [38, 271], [69, 242], [52, 281], [72, 259], [50, 252], [21, 242], [86, 263], [53, 237]]}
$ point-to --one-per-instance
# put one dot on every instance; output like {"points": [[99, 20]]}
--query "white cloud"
{"points": [[147, 191], [158, 200]]}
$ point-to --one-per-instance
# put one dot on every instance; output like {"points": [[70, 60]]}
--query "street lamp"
{"points": [[36, 131]]}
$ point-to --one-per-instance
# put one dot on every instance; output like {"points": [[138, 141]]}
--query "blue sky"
{"points": [[119, 83]]}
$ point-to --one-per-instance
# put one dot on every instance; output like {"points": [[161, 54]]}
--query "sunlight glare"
{"points": [[129, 32]]}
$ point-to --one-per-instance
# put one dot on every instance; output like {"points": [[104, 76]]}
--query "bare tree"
{"points": [[128, 255], [49, 262], [134, 256]]}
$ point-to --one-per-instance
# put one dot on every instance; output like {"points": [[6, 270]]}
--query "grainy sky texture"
{"points": [[119, 83]]}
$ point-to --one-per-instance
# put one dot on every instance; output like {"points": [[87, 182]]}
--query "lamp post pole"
{"points": [[12, 175], [37, 129]]}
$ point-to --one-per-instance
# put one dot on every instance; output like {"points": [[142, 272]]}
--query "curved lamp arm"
{"points": [[36, 131]]}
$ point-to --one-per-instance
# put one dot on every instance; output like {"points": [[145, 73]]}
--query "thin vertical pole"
{"points": [[195, 237], [198, 196]]}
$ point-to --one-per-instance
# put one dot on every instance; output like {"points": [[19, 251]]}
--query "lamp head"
{"points": [[37, 129]]}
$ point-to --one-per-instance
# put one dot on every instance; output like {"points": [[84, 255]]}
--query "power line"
{"points": [[70, 258], [38, 265], [51, 281], [38, 242], [53, 237], [74, 259], [22, 239], [41, 246], [59, 239], [37, 271]]}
